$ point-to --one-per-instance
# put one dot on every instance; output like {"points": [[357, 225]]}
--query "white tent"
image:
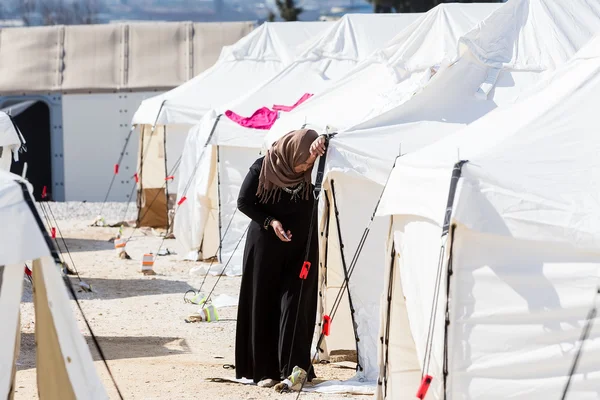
{"points": [[213, 186], [10, 141], [241, 67], [397, 70], [65, 366], [350, 198], [481, 78], [522, 251]]}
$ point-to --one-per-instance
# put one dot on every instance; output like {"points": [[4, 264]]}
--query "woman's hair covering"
{"points": [[278, 165]]}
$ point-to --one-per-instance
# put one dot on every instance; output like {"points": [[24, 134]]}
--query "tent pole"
{"points": [[219, 201], [166, 178], [386, 339]]}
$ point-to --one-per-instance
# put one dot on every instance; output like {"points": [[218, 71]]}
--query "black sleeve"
{"points": [[247, 200]]}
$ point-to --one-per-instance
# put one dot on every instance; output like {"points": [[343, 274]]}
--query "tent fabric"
{"points": [[240, 67], [339, 48], [10, 141], [525, 210], [437, 103], [263, 118], [62, 352], [332, 56], [560, 109], [137, 56], [397, 69]]}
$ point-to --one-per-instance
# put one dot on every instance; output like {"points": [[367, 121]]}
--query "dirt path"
{"points": [[139, 320]]}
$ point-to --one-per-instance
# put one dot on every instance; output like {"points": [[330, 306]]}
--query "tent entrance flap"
{"points": [[152, 192], [153, 210], [33, 120]]}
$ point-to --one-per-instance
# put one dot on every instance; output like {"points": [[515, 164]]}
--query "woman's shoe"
{"points": [[267, 383]]}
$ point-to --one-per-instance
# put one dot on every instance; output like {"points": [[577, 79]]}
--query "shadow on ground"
{"points": [[113, 347], [78, 245], [107, 289]]}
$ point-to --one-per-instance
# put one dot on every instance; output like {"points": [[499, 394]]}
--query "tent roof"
{"points": [[426, 42], [240, 67], [24, 240], [533, 166], [533, 35], [462, 92], [110, 57], [339, 49], [8, 134], [511, 33]]}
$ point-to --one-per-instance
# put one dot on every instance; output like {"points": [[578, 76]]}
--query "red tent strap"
{"points": [[136, 177], [326, 324], [422, 392], [53, 232], [169, 178], [180, 202], [44, 192], [116, 169], [305, 269]]}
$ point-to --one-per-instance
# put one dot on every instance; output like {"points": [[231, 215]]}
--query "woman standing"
{"points": [[277, 196]]}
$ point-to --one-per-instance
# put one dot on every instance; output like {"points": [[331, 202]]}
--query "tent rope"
{"points": [[338, 298], [343, 258], [313, 217], [188, 184], [117, 166], [137, 226], [456, 174], [226, 265], [63, 240], [449, 273], [29, 201], [217, 253], [589, 322], [385, 340]]}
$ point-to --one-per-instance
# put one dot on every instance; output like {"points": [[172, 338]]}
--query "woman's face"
{"points": [[306, 165]]}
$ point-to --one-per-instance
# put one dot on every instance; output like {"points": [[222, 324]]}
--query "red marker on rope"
{"points": [[116, 169], [422, 392], [44, 192], [136, 177], [27, 271], [305, 269], [180, 202], [326, 324], [169, 178], [53, 232]]}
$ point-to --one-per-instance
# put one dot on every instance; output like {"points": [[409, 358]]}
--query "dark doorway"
{"points": [[34, 123]]}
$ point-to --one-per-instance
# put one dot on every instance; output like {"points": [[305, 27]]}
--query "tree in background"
{"points": [[288, 10], [404, 6]]}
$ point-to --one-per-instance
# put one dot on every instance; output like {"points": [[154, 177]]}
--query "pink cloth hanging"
{"points": [[263, 118], [305, 97]]}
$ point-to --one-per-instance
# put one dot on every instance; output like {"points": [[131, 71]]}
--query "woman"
{"points": [[277, 196]]}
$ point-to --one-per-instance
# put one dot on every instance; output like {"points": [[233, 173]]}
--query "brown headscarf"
{"points": [[278, 166]]}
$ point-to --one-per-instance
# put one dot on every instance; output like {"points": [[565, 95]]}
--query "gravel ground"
{"points": [[139, 320]]}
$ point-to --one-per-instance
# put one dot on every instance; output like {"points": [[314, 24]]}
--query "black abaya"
{"points": [[271, 286]]}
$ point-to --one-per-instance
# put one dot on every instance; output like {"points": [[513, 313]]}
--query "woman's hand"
{"points": [[281, 234], [317, 148]]}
